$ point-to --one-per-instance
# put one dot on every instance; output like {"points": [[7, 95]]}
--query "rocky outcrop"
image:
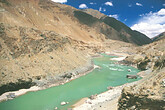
{"points": [[149, 93], [147, 57]]}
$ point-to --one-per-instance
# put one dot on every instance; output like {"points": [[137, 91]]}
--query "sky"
{"points": [[145, 16]]}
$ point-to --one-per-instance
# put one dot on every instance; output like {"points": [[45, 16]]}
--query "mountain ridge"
{"points": [[159, 37], [126, 33]]}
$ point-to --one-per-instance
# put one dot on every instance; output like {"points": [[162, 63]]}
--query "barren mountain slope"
{"points": [[67, 21], [46, 15], [31, 55]]}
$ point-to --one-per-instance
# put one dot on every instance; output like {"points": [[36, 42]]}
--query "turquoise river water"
{"points": [[95, 82]]}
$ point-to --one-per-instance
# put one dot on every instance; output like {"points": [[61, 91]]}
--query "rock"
{"points": [[55, 108], [152, 93], [51, 57], [11, 95], [127, 97], [89, 102], [124, 105], [131, 76], [73, 74], [93, 96], [63, 103], [129, 70], [132, 108], [110, 87], [148, 90], [163, 82]]}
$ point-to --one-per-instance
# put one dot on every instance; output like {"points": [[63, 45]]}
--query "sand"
{"points": [[119, 58], [3, 97]]}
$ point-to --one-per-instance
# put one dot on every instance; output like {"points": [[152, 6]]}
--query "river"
{"points": [[95, 82]]}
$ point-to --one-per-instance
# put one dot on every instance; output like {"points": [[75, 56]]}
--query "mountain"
{"points": [[123, 32], [42, 41], [159, 37], [94, 13]]}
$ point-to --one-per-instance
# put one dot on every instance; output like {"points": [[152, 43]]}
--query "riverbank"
{"points": [[107, 100], [5, 96], [47, 83], [104, 101], [44, 84]]}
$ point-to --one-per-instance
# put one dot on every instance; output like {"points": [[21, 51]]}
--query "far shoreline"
{"points": [[20, 92]]}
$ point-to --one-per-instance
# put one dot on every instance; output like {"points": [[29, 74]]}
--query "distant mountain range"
{"points": [[120, 31], [159, 37]]}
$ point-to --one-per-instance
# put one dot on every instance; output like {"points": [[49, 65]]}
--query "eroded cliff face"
{"points": [[149, 93], [146, 56]]}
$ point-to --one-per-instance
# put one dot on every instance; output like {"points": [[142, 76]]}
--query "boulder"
{"points": [[63, 103], [109, 88], [93, 96], [129, 70], [11, 96], [89, 102], [131, 76]]}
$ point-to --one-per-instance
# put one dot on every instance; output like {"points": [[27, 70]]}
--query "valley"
{"points": [[45, 44]]}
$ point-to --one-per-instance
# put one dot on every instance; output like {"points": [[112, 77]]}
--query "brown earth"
{"points": [[149, 94], [41, 41], [45, 41]]}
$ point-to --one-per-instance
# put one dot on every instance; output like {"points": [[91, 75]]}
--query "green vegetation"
{"points": [[21, 84], [5, 2], [85, 18], [137, 37]]}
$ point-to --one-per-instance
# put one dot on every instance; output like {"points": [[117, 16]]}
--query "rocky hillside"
{"points": [[159, 37], [31, 54], [149, 93]]}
